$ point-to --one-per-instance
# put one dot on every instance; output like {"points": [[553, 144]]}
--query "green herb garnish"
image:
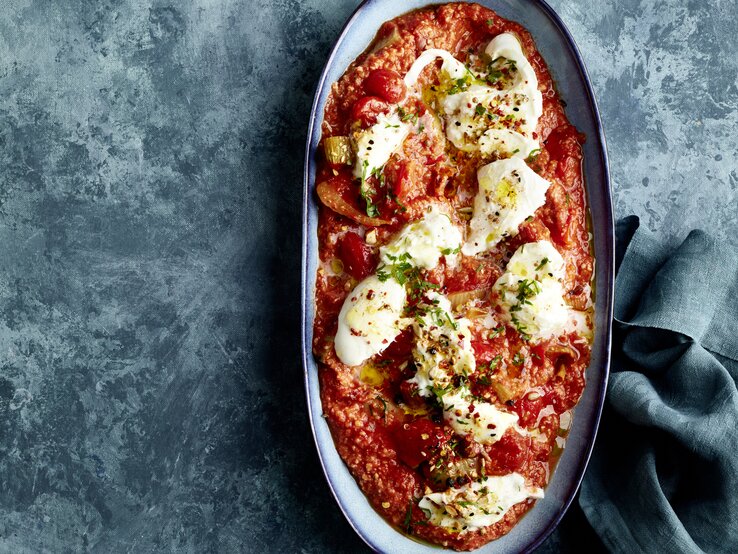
{"points": [[533, 155], [460, 85]]}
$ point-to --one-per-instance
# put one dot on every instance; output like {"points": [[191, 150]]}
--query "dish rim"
{"points": [[607, 227]]}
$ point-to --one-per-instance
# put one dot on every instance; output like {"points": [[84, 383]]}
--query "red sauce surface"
{"points": [[377, 424]]}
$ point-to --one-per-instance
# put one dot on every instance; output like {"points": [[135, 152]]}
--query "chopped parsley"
{"points": [[520, 328], [407, 524], [371, 207], [460, 85], [407, 116], [404, 272], [366, 191], [493, 76], [527, 289], [440, 391], [496, 331], [533, 155], [542, 263], [378, 174], [393, 197]]}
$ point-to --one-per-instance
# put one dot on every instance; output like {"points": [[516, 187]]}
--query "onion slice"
{"points": [[332, 199], [459, 298]]}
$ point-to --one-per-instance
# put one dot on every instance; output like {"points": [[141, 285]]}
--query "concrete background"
{"points": [[151, 392]]}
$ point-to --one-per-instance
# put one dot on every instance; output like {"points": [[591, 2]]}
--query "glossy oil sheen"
{"points": [[566, 66]]}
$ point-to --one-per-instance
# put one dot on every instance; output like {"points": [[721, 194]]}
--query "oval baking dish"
{"points": [[565, 64]]}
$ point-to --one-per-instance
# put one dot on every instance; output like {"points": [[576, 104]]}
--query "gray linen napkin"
{"points": [[664, 473]]}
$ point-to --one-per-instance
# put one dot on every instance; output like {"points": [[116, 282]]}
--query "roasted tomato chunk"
{"points": [[367, 109], [530, 406], [402, 346], [386, 84], [357, 257], [398, 178], [510, 453], [418, 440]]}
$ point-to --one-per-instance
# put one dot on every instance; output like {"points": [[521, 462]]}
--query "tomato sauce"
{"points": [[384, 432]]}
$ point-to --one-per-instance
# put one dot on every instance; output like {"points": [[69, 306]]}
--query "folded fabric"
{"points": [[664, 472]]}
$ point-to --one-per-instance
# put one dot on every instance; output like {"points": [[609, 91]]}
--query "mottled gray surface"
{"points": [[666, 77], [150, 172]]}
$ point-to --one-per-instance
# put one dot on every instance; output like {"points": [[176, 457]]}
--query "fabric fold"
{"points": [[664, 472]]}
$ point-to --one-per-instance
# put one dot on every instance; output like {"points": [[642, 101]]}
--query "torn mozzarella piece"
{"points": [[451, 66], [477, 504], [423, 242], [537, 260], [530, 292], [375, 145], [471, 114], [509, 192], [442, 347], [477, 108], [507, 46], [503, 140], [442, 352], [484, 422], [370, 319]]}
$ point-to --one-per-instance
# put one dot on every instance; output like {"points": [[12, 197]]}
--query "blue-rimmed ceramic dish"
{"points": [[565, 63]]}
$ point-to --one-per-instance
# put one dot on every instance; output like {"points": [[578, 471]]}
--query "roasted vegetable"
{"points": [[465, 213], [459, 298], [331, 198], [386, 84], [357, 257], [502, 392], [563, 350], [418, 441], [390, 36], [338, 150]]}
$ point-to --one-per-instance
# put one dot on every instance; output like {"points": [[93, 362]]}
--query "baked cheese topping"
{"points": [[442, 347], [506, 141], [530, 292], [509, 192], [477, 504], [483, 421], [493, 111], [374, 146], [479, 335], [370, 319], [505, 49], [451, 66], [423, 242], [442, 352]]}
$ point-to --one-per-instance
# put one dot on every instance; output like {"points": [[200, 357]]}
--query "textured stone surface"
{"points": [[150, 171], [665, 75]]}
